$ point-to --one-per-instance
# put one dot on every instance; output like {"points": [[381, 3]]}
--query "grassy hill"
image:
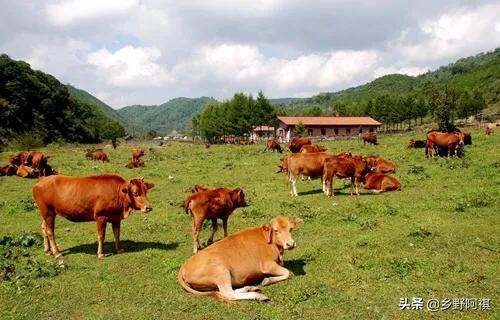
{"points": [[175, 114]]}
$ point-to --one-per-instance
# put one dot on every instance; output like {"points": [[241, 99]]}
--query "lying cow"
{"points": [[273, 145], [380, 165], [343, 167], [381, 182], [100, 156], [20, 158], [37, 160], [47, 170], [212, 204], [104, 198], [26, 172], [239, 261], [307, 164], [137, 154], [416, 144], [8, 170], [135, 164], [369, 137], [309, 148]]}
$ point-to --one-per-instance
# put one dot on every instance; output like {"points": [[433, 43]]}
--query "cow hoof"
{"points": [[252, 289], [48, 253], [101, 256], [262, 297], [58, 255]]}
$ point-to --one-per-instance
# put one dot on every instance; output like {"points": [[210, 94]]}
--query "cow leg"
{"points": [[293, 181], [197, 224], [214, 229], [356, 182], [226, 290], [46, 243], [224, 225], [116, 232], [49, 222], [101, 235], [278, 273]]}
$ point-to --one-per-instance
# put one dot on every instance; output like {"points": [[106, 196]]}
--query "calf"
{"points": [[307, 164], [104, 198], [26, 172], [137, 154], [100, 156], [380, 165], [369, 137], [8, 170], [239, 261], [308, 148], [381, 182], [343, 167], [135, 164], [273, 145], [212, 204]]}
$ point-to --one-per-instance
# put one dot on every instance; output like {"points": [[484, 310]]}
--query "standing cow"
{"points": [[296, 144], [212, 204], [104, 198], [273, 145], [369, 137]]}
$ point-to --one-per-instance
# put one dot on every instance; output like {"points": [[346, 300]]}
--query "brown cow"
{"points": [[451, 141], [100, 156], [137, 154], [135, 164], [296, 144], [488, 131], [307, 164], [212, 204], [369, 137], [47, 171], [381, 182], [20, 158], [8, 170], [380, 165], [37, 160], [239, 261], [308, 148], [416, 144], [197, 188], [26, 172], [104, 198], [343, 167], [273, 145]]}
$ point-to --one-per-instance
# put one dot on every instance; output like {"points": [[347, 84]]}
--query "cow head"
{"points": [[461, 137], [238, 198], [279, 232], [137, 189], [197, 188]]}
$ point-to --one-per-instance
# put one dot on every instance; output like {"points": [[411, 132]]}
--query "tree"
{"points": [[444, 102], [300, 129]]}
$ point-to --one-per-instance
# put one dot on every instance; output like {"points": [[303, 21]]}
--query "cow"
{"points": [[296, 144], [135, 164], [307, 164], [451, 141], [212, 204], [488, 131], [308, 148], [8, 170], [273, 145], [47, 170], [245, 258], [283, 167], [103, 198], [369, 137], [343, 167], [20, 158], [197, 188], [26, 172], [416, 144], [100, 156], [37, 160], [380, 165], [137, 154], [381, 182], [467, 139]]}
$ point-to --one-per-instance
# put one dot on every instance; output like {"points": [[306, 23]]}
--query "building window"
{"points": [[360, 130], [336, 131], [310, 132], [371, 129], [323, 131], [348, 131]]}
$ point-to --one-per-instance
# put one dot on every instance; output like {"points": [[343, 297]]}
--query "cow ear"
{"points": [[268, 232], [149, 185], [297, 221]]}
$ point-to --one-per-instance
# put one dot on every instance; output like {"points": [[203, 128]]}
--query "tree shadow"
{"points": [[128, 246], [296, 266]]}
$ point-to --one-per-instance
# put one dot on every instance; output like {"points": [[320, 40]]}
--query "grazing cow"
{"points": [[381, 182], [26, 172], [309, 148], [135, 164], [451, 141], [212, 204], [273, 145], [369, 137], [488, 131], [137, 154], [100, 156], [416, 144], [8, 170], [20, 158], [307, 164], [245, 258], [283, 167], [380, 165], [296, 144], [104, 198], [343, 167]]}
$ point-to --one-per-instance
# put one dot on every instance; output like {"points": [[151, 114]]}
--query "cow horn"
{"points": [[142, 178]]}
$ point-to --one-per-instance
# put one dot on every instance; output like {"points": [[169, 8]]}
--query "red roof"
{"points": [[330, 121]]}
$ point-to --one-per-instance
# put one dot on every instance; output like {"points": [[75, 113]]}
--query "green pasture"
{"points": [[356, 256]]}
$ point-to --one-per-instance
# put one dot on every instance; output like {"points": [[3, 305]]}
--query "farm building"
{"points": [[326, 126], [262, 132]]}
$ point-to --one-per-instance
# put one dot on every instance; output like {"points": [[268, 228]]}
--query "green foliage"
{"points": [[300, 129]]}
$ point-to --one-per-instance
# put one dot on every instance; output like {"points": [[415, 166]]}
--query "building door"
{"points": [[323, 131], [310, 132]]}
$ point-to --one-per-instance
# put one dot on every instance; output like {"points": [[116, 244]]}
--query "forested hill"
{"points": [[35, 106], [87, 97], [175, 114]]}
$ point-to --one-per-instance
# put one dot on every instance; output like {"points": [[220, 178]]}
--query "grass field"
{"points": [[356, 257]]}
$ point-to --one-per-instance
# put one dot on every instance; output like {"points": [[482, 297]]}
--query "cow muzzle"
{"points": [[147, 208], [289, 245]]}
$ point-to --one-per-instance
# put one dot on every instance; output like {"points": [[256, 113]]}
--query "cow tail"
{"points": [[186, 203], [213, 294]]}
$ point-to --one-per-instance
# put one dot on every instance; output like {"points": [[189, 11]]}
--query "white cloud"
{"points": [[130, 67], [70, 11], [411, 71]]}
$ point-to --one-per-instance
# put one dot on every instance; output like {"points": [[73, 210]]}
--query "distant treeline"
{"points": [[35, 106]]}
